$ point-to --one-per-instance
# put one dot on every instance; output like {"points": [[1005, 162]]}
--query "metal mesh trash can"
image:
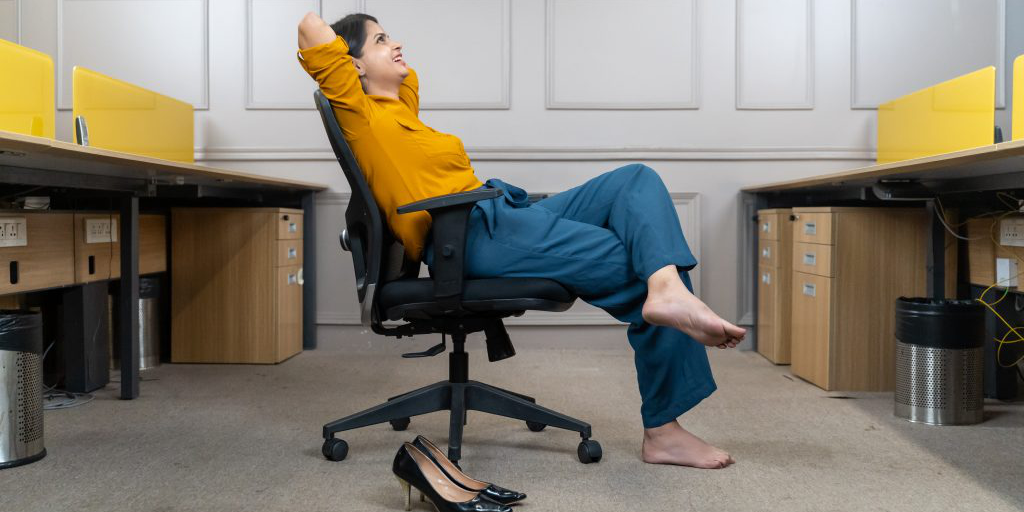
{"points": [[21, 388], [940, 361]]}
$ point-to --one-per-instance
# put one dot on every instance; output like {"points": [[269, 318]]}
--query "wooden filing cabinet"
{"points": [[849, 267], [37, 250], [98, 254], [774, 282], [236, 294]]}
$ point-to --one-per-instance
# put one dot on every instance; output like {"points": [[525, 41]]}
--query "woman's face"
{"points": [[382, 60]]}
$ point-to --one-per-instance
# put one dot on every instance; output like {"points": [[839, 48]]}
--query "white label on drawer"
{"points": [[810, 228], [13, 232], [809, 290], [766, 278], [293, 227], [766, 227], [293, 253], [810, 258], [766, 252], [100, 231], [293, 279]]}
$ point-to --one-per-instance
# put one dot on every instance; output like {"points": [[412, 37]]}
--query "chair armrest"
{"points": [[450, 200], [450, 215]]}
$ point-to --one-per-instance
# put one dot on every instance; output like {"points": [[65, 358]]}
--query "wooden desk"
{"points": [[67, 171], [961, 179]]}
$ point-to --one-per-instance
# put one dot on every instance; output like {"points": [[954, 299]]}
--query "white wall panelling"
{"points": [[774, 54], [900, 47], [344, 309], [618, 54], [574, 153], [10, 20], [461, 49], [274, 79], [161, 45]]}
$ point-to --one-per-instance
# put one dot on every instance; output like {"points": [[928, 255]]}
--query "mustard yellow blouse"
{"points": [[403, 160]]}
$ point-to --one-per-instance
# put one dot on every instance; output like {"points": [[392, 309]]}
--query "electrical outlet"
{"points": [[1011, 232]]}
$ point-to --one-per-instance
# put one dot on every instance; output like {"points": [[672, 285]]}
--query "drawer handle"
{"points": [[810, 228], [766, 278], [810, 259], [14, 272], [766, 253], [293, 253], [92, 265], [293, 227], [810, 290]]}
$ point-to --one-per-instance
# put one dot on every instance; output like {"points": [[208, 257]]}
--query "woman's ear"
{"points": [[359, 67]]}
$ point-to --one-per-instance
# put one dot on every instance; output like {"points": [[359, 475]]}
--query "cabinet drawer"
{"points": [[768, 252], [289, 226], [815, 228], [47, 258], [768, 225], [811, 328], [767, 306], [813, 259], [289, 312], [289, 252]]}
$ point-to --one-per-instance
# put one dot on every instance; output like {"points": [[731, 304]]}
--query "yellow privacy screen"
{"points": [[1017, 121], [953, 115], [26, 91], [125, 117]]}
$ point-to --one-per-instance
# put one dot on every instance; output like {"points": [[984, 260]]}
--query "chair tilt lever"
{"points": [[430, 352]]}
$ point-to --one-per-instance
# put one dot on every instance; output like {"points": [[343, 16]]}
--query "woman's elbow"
{"points": [[314, 31]]}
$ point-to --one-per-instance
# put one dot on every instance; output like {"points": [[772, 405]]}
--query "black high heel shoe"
{"points": [[486, 489], [414, 469]]}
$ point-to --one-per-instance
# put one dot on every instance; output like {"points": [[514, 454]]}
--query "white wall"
{"points": [[714, 94]]}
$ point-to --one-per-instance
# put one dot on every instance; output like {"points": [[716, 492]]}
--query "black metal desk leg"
{"points": [[128, 306], [309, 271], [936, 254]]}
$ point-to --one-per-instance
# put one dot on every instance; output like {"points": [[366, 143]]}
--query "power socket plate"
{"points": [[1011, 232]]}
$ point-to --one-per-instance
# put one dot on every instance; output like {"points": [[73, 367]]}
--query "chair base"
{"points": [[459, 397]]}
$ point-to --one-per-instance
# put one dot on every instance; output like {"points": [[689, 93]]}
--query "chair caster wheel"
{"points": [[589, 451], [400, 424], [335, 449], [534, 426]]}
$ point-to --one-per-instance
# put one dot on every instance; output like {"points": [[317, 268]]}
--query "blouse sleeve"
{"points": [[331, 66], [409, 92]]}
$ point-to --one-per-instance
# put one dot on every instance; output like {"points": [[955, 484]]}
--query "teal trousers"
{"points": [[602, 240]]}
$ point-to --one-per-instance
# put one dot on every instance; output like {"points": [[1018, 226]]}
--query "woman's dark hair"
{"points": [[352, 29]]}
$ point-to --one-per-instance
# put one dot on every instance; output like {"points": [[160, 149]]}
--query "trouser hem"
{"points": [[677, 409]]}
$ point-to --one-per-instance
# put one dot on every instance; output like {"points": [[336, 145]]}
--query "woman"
{"points": [[615, 241]]}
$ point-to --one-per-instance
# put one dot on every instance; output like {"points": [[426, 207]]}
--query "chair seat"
{"points": [[414, 298]]}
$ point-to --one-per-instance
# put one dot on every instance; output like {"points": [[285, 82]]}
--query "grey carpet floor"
{"points": [[234, 437]]}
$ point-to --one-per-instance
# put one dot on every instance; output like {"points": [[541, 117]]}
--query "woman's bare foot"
{"points": [[672, 444], [670, 304]]}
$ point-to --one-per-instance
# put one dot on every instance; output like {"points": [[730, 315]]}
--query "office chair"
{"points": [[447, 303]]}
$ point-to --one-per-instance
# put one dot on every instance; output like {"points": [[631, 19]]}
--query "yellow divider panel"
{"points": [[125, 117], [1017, 116], [953, 115], [26, 91]]}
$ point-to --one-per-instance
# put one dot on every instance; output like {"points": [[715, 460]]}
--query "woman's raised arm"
{"points": [[314, 31], [325, 57]]}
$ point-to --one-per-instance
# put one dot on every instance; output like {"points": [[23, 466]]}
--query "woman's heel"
{"points": [[408, 493]]}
